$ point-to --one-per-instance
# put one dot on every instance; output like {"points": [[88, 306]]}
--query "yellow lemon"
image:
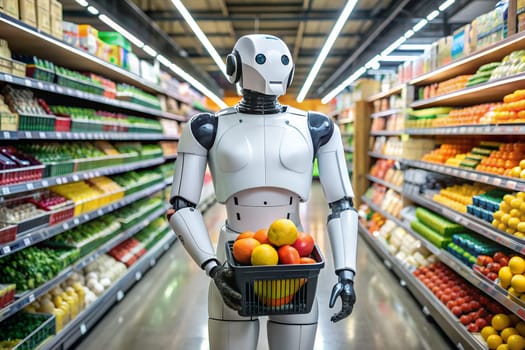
{"points": [[505, 276], [493, 341], [520, 327], [517, 265], [518, 283], [507, 332], [500, 322], [488, 330], [281, 232], [264, 254], [516, 342]]}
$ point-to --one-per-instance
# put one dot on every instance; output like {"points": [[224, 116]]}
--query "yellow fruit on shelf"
{"points": [[505, 219], [517, 265], [516, 342], [516, 203], [513, 222], [497, 215], [503, 347], [493, 341], [519, 235], [510, 231], [521, 227], [515, 172], [521, 195], [508, 198], [522, 174], [520, 327], [518, 283], [500, 322], [502, 227], [515, 213], [504, 207], [487, 331], [522, 163], [505, 276], [507, 332]]}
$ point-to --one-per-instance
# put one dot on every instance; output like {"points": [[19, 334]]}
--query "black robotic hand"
{"points": [[223, 277], [345, 289]]}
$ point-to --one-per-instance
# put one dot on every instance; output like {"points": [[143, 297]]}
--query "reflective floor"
{"points": [[167, 309]]}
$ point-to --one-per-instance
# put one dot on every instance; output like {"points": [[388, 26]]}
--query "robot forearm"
{"points": [[342, 230], [189, 226]]}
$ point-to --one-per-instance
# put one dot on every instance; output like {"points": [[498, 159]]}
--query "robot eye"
{"points": [[260, 58], [285, 60]]}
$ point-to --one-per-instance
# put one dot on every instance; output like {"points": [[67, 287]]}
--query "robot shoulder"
{"points": [[321, 129], [204, 128]]}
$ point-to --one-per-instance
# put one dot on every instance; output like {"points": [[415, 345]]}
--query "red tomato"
{"points": [[288, 255], [307, 260], [304, 244]]}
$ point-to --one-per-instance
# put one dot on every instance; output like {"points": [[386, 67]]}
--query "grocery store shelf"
{"points": [[431, 306], [78, 176], [502, 129], [392, 91], [349, 149], [491, 91], [29, 296], [52, 135], [87, 319], [25, 39], [345, 134], [387, 132], [383, 156], [64, 91], [384, 183], [472, 175], [469, 221], [472, 62], [32, 238], [386, 113], [344, 121]]}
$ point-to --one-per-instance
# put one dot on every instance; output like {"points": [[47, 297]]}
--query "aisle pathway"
{"points": [[167, 309]]}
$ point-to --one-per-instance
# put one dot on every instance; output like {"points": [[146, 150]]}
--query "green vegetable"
{"points": [[439, 224], [432, 236]]}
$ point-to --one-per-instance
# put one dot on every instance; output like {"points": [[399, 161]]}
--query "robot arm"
{"points": [[343, 219], [185, 219]]}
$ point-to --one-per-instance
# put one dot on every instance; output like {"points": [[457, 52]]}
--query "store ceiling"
{"points": [[303, 24]]}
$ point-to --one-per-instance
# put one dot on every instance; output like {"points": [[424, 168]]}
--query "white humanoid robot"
{"points": [[261, 157]]}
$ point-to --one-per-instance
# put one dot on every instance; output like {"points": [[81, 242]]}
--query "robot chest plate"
{"points": [[255, 151]]}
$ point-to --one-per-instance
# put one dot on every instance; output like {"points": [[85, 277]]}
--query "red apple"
{"points": [[304, 244], [288, 255], [465, 319]]}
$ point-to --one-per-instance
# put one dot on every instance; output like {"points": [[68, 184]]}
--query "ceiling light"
{"points": [[149, 50], [118, 28], [349, 7], [397, 58], [82, 3], [92, 10], [200, 35], [163, 60], [414, 47], [373, 63], [432, 15], [344, 84], [420, 25], [446, 5], [393, 46], [409, 33]]}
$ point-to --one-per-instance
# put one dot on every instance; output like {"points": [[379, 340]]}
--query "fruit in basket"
{"points": [[307, 260], [243, 248], [264, 254], [281, 232], [288, 255], [304, 244], [277, 292], [245, 234], [262, 236]]}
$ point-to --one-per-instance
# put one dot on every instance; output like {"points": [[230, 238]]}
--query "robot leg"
{"points": [[293, 331], [226, 329]]}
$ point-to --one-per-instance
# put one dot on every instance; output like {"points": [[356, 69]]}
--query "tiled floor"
{"points": [[167, 309]]}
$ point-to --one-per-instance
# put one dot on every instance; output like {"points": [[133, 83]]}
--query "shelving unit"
{"points": [[383, 156], [387, 133], [503, 129], [78, 136], [386, 113], [384, 183]]}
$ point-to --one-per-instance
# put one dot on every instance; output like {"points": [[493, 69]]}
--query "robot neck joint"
{"points": [[256, 103]]}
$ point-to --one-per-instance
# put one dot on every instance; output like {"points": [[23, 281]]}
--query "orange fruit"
{"points": [[242, 249], [262, 236], [281, 232], [245, 234], [264, 254]]}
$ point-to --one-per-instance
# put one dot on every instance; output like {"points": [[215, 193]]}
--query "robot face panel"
{"points": [[265, 64]]}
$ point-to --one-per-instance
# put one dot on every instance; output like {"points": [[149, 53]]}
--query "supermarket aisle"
{"points": [[167, 310]]}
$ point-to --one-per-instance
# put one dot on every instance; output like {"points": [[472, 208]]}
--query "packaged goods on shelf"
{"points": [[392, 102], [423, 118], [28, 11], [7, 294], [128, 252], [56, 19], [387, 199], [491, 27], [384, 169], [17, 167], [8, 120], [169, 149], [10, 7], [100, 275], [130, 93], [133, 181]]}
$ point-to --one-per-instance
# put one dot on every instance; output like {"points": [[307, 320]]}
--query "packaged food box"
{"points": [[7, 294], [28, 11]]}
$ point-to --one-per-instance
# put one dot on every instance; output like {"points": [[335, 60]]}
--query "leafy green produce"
{"points": [[20, 325]]}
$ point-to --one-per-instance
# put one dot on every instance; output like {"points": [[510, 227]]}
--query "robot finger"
{"points": [[336, 291]]}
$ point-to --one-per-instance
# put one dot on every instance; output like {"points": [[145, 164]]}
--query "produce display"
{"points": [[387, 199], [128, 252], [384, 169], [153, 233], [100, 275], [7, 294], [447, 151], [506, 331], [490, 264], [472, 308], [468, 247], [436, 229], [18, 167], [22, 325], [478, 114], [458, 197], [509, 216], [135, 95], [25, 215], [483, 74], [33, 266], [133, 181]]}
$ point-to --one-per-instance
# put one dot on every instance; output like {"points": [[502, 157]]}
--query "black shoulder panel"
{"points": [[204, 129], [321, 129]]}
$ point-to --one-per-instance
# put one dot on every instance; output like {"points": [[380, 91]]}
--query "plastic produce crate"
{"points": [[44, 331], [65, 167], [19, 175], [265, 292], [33, 223], [99, 162], [62, 124], [7, 294], [28, 122], [62, 214]]}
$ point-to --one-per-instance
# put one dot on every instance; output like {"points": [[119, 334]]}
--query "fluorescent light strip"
{"points": [[383, 56], [149, 50], [409, 33], [432, 15], [121, 30], [200, 35], [82, 3], [397, 58], [414, 47], [446, 5], [344, 84], [349, 7], [92, 10]]}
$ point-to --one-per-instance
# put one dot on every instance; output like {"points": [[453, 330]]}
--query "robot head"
{"points": [[261, 63]]}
